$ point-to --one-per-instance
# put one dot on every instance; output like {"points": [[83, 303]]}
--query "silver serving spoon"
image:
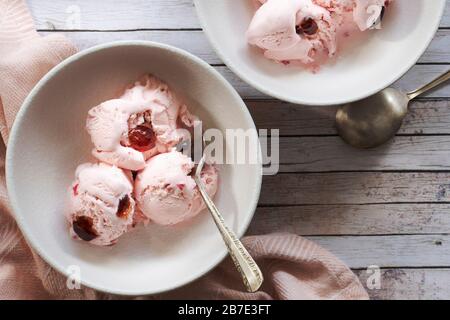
{"points": [[247, 267], [370, 122]]}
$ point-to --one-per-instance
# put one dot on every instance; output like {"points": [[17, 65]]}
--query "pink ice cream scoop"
{"points": [[308, 31], [298, 30], [101, 204], [144, 121], [167, 194]]}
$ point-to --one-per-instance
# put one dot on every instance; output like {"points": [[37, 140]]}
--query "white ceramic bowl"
{"points": [[361, 70], [48, 141]]}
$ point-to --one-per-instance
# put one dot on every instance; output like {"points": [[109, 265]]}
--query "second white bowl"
{"points": [[360, 71]]}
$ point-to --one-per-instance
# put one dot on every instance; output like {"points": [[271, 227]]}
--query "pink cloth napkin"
{"points": [[293, 267]]}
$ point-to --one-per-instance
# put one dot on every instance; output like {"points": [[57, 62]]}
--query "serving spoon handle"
{"points": [[439, 80]]}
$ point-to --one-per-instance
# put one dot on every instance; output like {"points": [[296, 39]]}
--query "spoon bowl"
{"points": [[373, 121]]}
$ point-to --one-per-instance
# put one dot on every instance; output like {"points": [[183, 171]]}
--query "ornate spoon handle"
{"points": [[439, 80], [247, 267]]}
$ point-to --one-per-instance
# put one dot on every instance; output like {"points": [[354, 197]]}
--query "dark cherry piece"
{"points": [[142, 138], [308, 27], [75, 190], [124, 207], [83, 227]]}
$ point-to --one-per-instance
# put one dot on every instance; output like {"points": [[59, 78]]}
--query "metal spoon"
{"points": [[370, 122], [247, 267]]}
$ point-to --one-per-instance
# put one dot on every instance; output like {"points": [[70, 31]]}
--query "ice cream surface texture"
{"points": [[167, 194], [309, 31], [102, 206], [142, 122]]}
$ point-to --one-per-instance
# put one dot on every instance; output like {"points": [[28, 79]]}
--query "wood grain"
{"points": [[355, 188], [424, 117], [410, 284], [126, 15], [322, 154], [373, 219], [438, 49], [193, 41], [116, 14], [389, 251]]}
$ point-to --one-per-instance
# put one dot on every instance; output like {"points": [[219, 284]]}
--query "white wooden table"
{"points": [[388, 207]]}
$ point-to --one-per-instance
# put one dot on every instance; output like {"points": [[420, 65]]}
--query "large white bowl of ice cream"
{"points": [[320, 52], [95, 178]]}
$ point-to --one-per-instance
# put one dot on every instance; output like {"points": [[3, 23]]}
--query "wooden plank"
{"points": [[195, 42], [323, 154], [378, 219], [389, 251], [355, 188], [126, 15], [445, 22], [115, 14], [438, 49], [424, 117], [409, 284], [414, 78]]}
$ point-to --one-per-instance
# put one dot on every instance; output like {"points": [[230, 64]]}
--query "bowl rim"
{"points": [[296, 100], [13, 137]]}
